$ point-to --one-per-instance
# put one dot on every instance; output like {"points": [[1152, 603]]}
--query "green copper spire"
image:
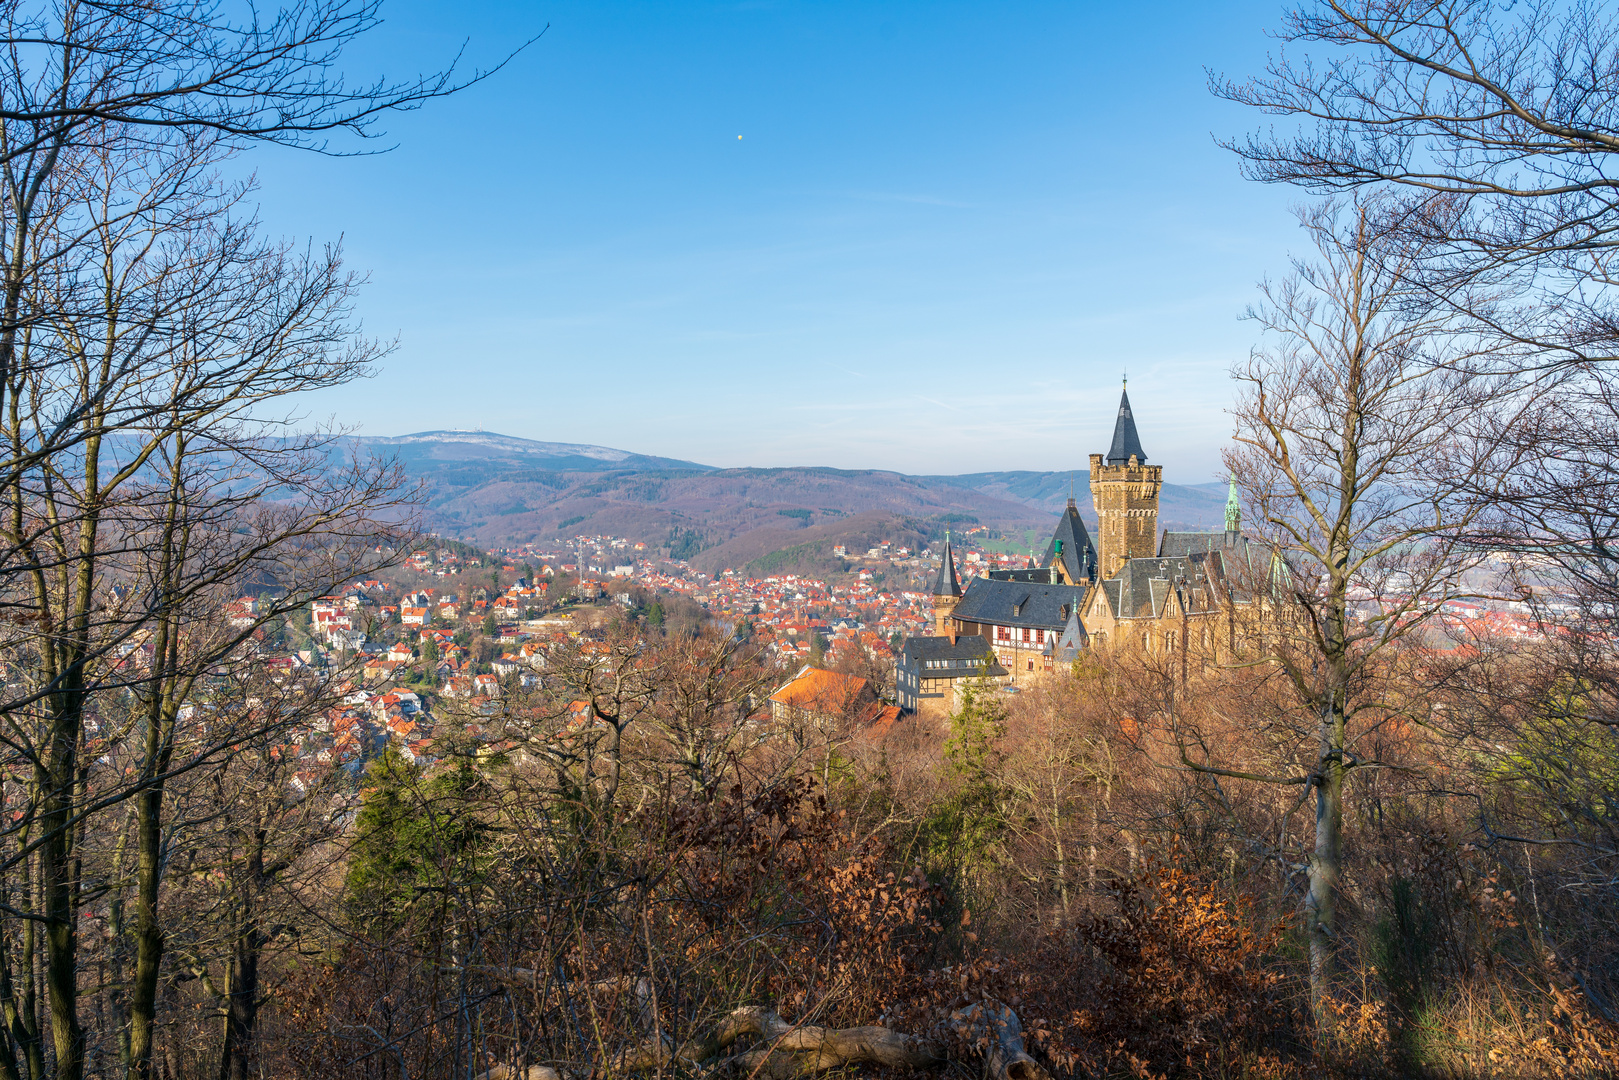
{"points": [[1233, 510]]}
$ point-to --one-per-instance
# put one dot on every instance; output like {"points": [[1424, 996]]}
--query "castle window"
{"points": [[1039, 637], [1025, 633]]}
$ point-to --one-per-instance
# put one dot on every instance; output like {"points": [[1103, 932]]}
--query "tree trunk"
{"points": [[60, 888], [242, 975], [168, 690], [1320, 905], [148, 935], [241, 1008]]}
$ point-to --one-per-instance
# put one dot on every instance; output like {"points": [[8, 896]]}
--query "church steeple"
{"points": [[1126, 443], [946, 592], [1233, 515]]}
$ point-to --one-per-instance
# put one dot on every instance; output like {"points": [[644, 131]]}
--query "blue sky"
{"points": [[945, 231]]}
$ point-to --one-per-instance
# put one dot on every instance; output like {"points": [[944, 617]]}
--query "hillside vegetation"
{"points": [[495, 489]]}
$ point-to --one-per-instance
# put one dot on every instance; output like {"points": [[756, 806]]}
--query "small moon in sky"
{"points": [[739, 136]]}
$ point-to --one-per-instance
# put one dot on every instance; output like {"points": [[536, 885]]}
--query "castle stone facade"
{"points": [[1124, 490]]}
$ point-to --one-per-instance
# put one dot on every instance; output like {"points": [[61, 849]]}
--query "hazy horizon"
{"points": [[937, 246]]}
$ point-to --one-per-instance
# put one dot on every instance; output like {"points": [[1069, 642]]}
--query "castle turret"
{"points": [[1070, 551], [1233, 516], [1125, 491], [946, 592]]}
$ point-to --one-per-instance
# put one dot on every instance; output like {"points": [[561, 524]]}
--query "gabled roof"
{"points": [[1077, 555], [1126, 443], [967, 656], [816, 690], [1244, 565], [1019, 603], [1178, 544], [1142, 588], [1074, 638]]}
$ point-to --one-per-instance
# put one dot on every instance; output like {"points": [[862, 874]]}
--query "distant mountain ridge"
{"points": [[1199, 505], [426, 450], [498, 489]]}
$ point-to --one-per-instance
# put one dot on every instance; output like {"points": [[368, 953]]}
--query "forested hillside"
{"points": [[496, 489]]}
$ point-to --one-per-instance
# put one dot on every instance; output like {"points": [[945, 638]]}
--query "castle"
{"points": [[1177, 596]]}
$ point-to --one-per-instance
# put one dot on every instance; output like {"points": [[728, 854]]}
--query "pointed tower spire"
{"points": [[946, 583], [946, 593], [1070, 547], [1233, 515], [1126, 443], [1124, 490]]}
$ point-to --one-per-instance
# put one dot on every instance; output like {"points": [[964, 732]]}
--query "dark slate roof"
{"points": [[1141, 588], [992, 600], [1043, 575], [967, 655], [945, 584], [1244, 565], [1078, 556], [1125, 440], [1074, 638], [1177, 544]]}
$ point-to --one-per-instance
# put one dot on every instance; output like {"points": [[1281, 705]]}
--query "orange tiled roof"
{"points": [[818, 688]]}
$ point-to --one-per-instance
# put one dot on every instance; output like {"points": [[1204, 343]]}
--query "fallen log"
{"points": [[789, 1050], [997, 1030], [533, 1072]]}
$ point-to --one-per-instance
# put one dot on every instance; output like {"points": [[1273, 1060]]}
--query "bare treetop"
{"points": [[184, 64], [1511, 110]]}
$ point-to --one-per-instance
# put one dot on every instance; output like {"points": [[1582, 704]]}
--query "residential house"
{"points": [[823, 696]]}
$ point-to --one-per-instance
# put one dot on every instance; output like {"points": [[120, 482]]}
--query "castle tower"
{"points": [[946, 592], [1124, 489]]}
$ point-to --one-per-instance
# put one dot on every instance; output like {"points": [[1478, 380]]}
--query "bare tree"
{"points": [[1510, 112], [1507, 110], [166, 339], [1359, 426], [107, 78]]}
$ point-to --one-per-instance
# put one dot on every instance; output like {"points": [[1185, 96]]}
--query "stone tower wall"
{"points": [[942, 607], [1126, 500]]}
